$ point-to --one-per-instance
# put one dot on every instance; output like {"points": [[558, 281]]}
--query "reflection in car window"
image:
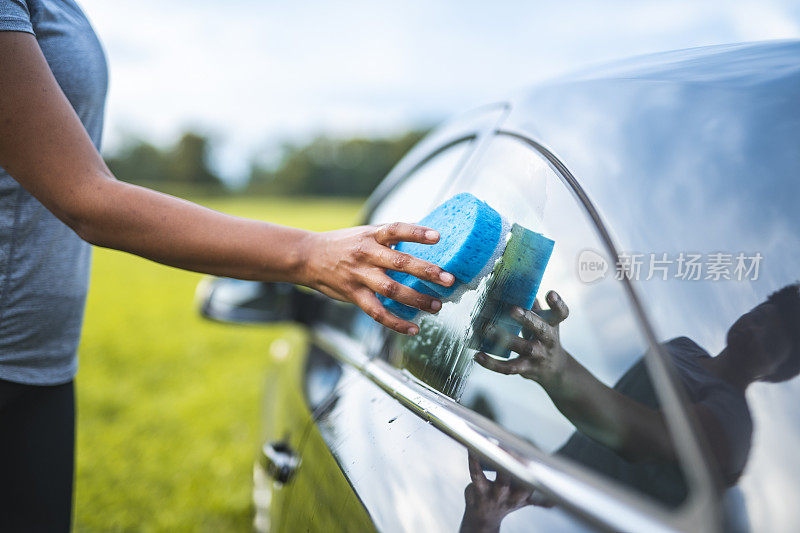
{"points": [[583, 392], [416, 194], [738, 226]]}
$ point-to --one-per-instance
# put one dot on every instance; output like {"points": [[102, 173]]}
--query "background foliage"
{"points": [[185, 163], [325, 166]]}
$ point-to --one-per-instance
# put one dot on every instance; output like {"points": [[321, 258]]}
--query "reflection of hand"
{"points": [[541, 357], [488, 502], [351, 264]]}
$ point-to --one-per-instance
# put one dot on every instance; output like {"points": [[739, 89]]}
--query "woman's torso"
{"points": [[44, 266]]}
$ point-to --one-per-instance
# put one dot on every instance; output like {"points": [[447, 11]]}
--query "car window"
{"points": [[583, 413]]}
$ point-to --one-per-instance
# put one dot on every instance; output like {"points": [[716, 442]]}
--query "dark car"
{"points": [[671, 187]]}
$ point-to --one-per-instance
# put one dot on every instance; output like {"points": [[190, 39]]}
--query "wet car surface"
{"points": [[669, 184]]}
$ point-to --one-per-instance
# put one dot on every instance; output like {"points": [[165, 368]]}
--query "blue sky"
{"points": [[257, 72]]}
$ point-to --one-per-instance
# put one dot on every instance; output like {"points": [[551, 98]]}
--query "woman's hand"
{"points": [[351, 264], [487, 502], [541, 357]]}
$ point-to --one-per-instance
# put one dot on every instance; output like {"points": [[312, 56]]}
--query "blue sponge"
{"points": [[469, 230], [515, 281], [517, 276], [470, 234], [476, 242]]}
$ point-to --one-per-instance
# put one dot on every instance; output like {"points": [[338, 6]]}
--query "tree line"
{"points": [[329, 166]]}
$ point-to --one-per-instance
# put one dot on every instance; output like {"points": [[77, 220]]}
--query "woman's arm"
{"points": [[44, 146]]}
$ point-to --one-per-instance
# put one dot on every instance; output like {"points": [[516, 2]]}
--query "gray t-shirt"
{"points": [[44, 266]]}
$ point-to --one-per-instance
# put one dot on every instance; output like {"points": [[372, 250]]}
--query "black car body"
{"points": [[686, 153]]}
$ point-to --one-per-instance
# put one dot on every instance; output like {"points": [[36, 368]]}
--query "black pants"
{"points": [[37, 456]]}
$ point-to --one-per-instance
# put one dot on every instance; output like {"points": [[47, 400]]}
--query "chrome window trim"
{"points": [[601, 502]]}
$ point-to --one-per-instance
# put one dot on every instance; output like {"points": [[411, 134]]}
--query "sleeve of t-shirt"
{"points": [[14, 16]]}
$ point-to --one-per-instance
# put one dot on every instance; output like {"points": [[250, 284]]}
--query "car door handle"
{"points": [[279, 460]]}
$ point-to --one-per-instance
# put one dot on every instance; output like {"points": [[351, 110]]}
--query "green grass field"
{"points": [[167, 402]]}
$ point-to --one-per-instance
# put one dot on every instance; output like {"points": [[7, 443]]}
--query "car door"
{"points": [[311, 494], [401, 427]]}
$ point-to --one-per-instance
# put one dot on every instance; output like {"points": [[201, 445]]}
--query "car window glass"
{"points": [[576, 414]]}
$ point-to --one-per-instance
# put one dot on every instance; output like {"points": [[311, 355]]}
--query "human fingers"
{"points": [[495, 365], [535, 325], [379, 282], [540, 500], [476, 472], [518, 365], [389, 234], [502, 483], [402, 262], [367, 301], [558, 308]]}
